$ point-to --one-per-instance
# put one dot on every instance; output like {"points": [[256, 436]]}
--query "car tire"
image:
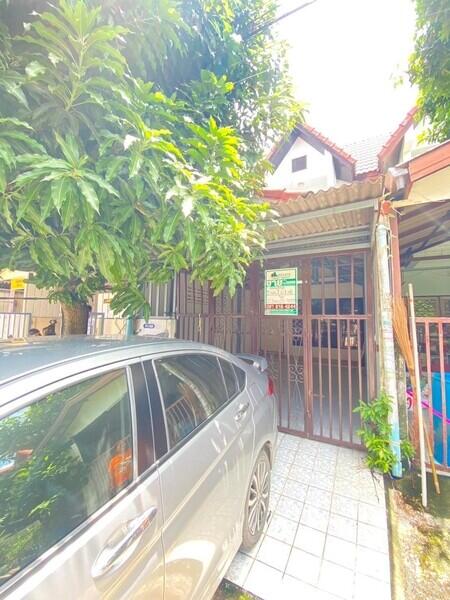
{"points": [[257, 502]]}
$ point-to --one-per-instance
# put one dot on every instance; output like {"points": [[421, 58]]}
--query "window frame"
{"points": [[170, 451], [303, 159], [40, 393]]}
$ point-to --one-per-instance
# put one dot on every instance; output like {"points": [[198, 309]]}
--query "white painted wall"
{"points": [[412, 145], [318, 175]]}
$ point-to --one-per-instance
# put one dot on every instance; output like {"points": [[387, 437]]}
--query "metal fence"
{"points": [[433, 340], [14, 325]]}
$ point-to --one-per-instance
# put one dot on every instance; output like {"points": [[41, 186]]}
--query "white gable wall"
{"points": [[318, 175]]}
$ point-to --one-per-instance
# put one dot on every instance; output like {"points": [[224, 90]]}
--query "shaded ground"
{"points": [[421, 540], [229, 591]]}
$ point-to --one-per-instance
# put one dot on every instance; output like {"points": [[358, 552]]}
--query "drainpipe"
{"points": [[130, 326], [386, 333]]}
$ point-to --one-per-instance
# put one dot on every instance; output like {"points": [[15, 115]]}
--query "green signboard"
{"points": [[281, 292]]}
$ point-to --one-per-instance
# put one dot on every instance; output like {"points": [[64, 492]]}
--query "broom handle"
{"points": [[423, 470]]}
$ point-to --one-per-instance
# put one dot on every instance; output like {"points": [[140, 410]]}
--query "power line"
{"points": [[280, 18]]}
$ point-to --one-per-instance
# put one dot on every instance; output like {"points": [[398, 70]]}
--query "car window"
{"points": [[230, 377], [61, 458], [240, 374], [192, 389]]}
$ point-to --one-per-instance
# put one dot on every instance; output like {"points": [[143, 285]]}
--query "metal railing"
{"points": [[433, 341], [14, 325]]}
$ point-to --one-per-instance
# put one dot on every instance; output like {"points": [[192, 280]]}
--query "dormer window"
{"points": [[298, 164]]}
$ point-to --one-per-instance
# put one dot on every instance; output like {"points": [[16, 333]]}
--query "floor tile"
{"points": [[274, 553], [373, 563], [304, 566], [289, 508], [372, 515], [295, 490], [273, 501], [294, 589], [309, 539], [277, 483], [327, 535], [342, 527], [281, 468], [340, 552], [286, 454], [344, 506], [336, 580], [325, 481], [300, 473], [372, 537], [305, 459], [282, 529], [239, 569], [263, 580], [319, 498], [368, 588], [325, 465], [316, 518], [346, 487]]}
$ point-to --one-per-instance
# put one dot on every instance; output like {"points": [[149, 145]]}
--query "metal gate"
{"points": [[320, 360]]}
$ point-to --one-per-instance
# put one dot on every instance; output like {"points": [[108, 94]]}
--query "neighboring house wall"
{"points": [[42, 311], [430, 277], [318, 175]]}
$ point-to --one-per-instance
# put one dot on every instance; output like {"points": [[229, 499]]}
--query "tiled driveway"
{"points": [[327, 537]]}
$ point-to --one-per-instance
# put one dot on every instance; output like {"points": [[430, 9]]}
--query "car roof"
{"points": [[22, 357]]}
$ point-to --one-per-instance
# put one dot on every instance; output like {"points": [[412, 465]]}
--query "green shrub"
{"points": [[375, 434]]}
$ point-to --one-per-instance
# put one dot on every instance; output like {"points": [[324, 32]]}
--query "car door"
{"points": [[200, 475], [80, 504]]}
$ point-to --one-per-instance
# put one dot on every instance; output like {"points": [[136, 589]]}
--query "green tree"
{"points": [[116, 169], [429, 66]]}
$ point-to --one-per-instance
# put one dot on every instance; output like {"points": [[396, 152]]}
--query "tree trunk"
{"points": [[74, 318]]}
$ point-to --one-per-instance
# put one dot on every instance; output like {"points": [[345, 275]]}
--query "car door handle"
{"points": [[122, 544], [242, 411]]}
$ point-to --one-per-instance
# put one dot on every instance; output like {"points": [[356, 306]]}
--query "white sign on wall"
{"points": [[281, 292]]}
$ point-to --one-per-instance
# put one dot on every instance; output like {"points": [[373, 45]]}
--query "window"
{"points": [[230, 378], [240, 374], [192, 389], [61, 458], [299, 164]]}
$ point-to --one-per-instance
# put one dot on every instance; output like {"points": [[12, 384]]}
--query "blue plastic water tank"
{"points": [[438, 424]]}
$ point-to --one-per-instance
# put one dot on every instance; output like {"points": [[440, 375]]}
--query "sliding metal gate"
{"points": [[321, 361]]}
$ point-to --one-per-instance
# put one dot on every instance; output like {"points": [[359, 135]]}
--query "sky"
{"points": [[344, 56]]}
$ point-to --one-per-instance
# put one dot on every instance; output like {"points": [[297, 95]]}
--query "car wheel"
{"points": [[257, 502]]}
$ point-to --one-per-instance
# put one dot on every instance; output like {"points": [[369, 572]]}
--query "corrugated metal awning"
{"points": [[347, 207]]}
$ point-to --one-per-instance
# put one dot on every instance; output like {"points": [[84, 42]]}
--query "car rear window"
{"points": [[192, 389], [61, 459], [230, 378]]}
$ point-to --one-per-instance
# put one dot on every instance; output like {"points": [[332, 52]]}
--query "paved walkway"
{"points": [[327, 536]]}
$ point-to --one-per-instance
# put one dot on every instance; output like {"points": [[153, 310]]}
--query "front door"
{"points": [[320, 357]]}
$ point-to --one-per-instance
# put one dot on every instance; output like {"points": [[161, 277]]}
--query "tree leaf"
{"points": [[170, 226], [89, 194], [59, 190]]}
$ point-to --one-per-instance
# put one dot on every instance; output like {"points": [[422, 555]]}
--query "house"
{"points": [[355, 225]]}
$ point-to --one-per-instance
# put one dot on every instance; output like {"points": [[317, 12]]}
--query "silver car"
{"points": [[129, 469]]}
